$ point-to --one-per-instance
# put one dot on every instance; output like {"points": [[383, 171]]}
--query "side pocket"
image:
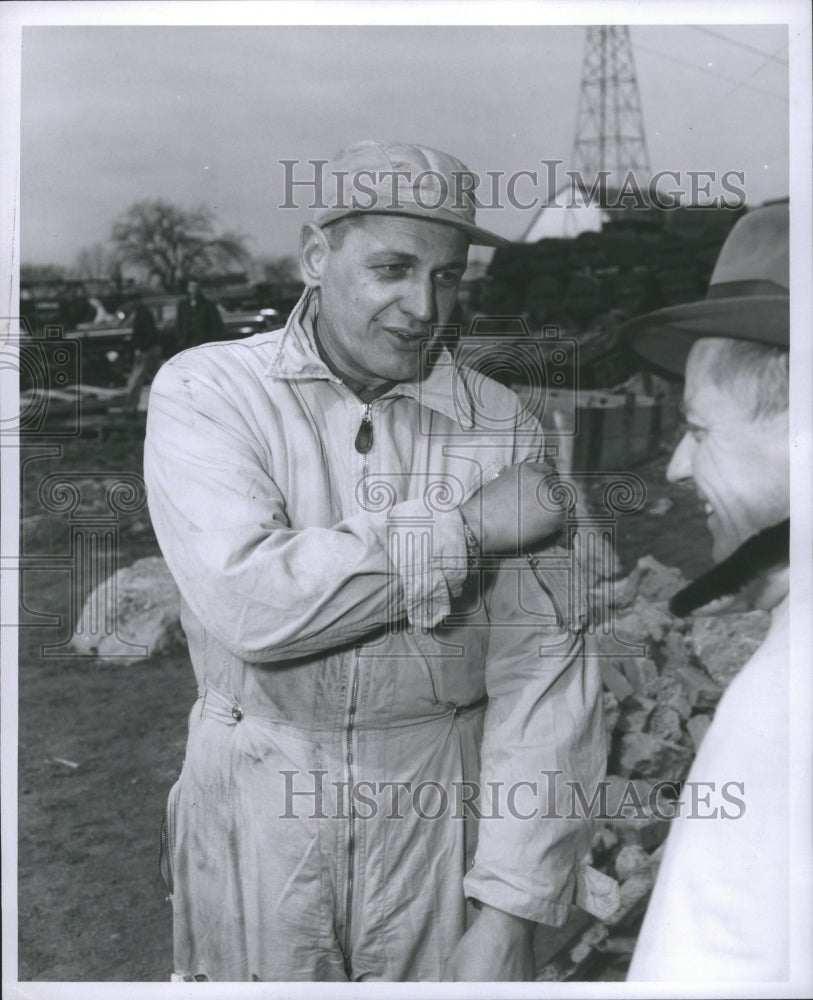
{"points": [[452, 660], [167, 845]]}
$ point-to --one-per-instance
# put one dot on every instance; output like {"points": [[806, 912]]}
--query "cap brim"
{"points": [[476, 235], [663, 339], [482, 237]]}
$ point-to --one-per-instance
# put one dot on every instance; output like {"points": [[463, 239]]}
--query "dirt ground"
{"points": [[99, 746]]}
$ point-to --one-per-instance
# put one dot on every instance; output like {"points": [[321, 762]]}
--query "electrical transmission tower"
{"points": [[609, 137], [610, 126]]}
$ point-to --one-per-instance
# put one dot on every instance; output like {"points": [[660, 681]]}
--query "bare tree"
{"points": [[174, 242], [279, 269], [96, 261]]}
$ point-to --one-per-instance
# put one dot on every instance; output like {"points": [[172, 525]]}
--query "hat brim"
{"points": [[482, 237], [663, 339], [475, 234]]}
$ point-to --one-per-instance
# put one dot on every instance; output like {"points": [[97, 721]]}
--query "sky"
{"points": [[203, 115]]}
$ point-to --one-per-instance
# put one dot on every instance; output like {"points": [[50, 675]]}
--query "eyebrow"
{"points": [[401, 257]]}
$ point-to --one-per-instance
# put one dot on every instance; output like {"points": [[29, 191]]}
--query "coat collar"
{"points": [[443, 390]]}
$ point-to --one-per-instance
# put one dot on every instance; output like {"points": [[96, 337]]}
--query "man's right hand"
{"points": [[515, 511]]}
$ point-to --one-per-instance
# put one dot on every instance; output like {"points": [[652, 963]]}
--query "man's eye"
{"points": [[448, 279], [693, 430], [392, 270]]}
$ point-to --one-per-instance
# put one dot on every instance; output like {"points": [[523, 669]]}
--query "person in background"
{"points": [[146, 344], [198, 320]]}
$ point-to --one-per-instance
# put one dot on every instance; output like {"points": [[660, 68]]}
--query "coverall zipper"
{"points": [[364, 437], [351, 840], [363, 443]]}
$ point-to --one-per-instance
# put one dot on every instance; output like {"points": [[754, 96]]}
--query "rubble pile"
{"points": [[663, 676], [132, 615]]}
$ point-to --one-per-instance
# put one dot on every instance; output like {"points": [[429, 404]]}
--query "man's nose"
{"points": [[419, 301], [680, 466]]}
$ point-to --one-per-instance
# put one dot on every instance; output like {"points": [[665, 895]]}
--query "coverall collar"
{"points": [[297, 358]]}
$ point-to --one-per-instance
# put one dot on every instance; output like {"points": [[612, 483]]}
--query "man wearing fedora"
{"points": [[331, 499], [720, 907]]}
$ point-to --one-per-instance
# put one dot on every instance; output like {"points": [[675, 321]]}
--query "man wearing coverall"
{"points": [[331, 499]]}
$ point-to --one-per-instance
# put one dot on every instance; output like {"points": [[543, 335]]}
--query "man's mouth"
{"points": [[409, 337]]}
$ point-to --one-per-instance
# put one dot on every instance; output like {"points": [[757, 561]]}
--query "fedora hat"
{"points": [[748, 297], [400, 178]]}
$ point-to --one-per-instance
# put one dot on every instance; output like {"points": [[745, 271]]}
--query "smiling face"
{"points": [[382, 289], [739, 465]]}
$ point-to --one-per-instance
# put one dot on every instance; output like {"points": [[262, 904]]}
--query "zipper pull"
{"points": [[364, 438]]}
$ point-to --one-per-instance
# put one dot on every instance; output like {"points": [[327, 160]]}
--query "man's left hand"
{"points": [[498, 947]]}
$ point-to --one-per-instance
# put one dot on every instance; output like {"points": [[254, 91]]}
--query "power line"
{"points": [[743, 45], [770, 59], [753, 73], [710, 72]]}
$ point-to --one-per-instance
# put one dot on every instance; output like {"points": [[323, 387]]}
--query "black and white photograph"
{"points": [[406, 450]]}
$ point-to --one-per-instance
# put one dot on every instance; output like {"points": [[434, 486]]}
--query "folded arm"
{"points": [[264, 589]]}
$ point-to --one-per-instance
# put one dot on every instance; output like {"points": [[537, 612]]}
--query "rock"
{"points": [[666, 723], [641, 672], [142, 617], [673, 652], [723, 644], [592, 940], [633, 895], [670, 694], [627, 800], [643, 623], [620, 594], [620, 946], [605, 839], [614, 680], [631, 859], [612, 712], [697, 727], [651, 581], [701, 691], [635, 714], [647, 755]]}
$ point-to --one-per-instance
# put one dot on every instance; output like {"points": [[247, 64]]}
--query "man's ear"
{"points": [[313, 251]]}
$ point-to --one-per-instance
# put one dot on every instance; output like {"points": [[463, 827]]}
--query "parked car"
{"points": [[106, 349]]}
